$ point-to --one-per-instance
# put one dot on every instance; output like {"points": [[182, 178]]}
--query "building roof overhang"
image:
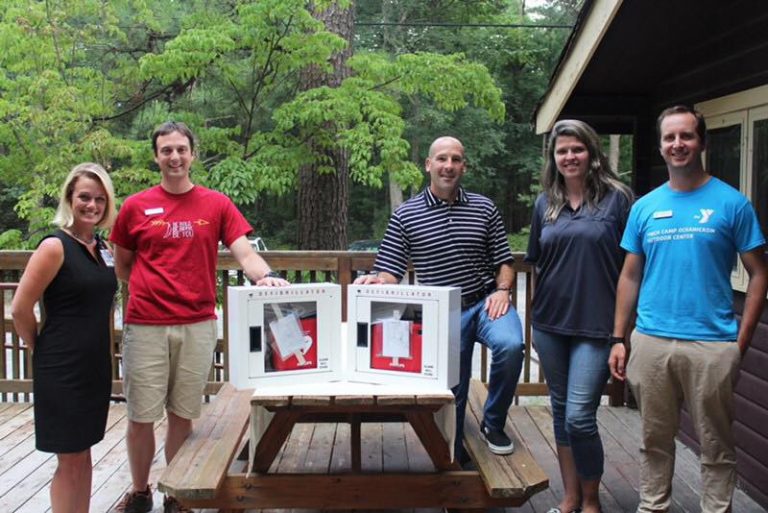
{"points": [[628, 56]]}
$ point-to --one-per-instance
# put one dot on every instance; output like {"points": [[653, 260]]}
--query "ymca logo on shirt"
{"points": [[671, 233], [706, 213]]}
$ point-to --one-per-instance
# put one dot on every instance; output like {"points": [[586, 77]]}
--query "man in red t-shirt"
{"points": [[166, 246]]}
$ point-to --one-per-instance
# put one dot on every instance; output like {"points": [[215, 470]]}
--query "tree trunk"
{"points": [[323, 199], [395, 194], [614, 150]]}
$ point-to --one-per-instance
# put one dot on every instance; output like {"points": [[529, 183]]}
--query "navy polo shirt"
{"points": [[578, 260], [458, 244]]}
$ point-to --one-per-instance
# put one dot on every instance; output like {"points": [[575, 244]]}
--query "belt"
{"points": [[470, 300]]}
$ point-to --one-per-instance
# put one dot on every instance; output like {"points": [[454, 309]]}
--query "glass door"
{"points": [[725, 156], [758, 163]]}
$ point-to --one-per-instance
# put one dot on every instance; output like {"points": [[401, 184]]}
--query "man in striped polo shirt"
{"points": [[457, 238]]}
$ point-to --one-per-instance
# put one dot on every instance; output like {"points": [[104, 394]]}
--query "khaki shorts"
{"points": [[166, 367]]}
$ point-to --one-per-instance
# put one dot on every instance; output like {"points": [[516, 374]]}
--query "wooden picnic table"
{"points": [[201, 475], [276, 412]]}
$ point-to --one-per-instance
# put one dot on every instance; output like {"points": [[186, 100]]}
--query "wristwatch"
{"points": [[615, 340], [272, 274]]}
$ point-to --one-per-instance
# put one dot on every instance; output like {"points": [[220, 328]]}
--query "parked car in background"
{"points": [[257, 243], [370, 245]]}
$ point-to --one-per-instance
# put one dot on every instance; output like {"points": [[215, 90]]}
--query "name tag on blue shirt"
{"points": [[662, 214]]}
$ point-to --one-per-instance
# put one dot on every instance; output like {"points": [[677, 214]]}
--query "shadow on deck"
{"points": [[25, 473]]}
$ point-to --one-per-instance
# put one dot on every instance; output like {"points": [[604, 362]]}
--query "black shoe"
{"points": [[464, 460], [136, 502], [498, 442]]}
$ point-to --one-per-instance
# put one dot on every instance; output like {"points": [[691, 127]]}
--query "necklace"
{"points": [[87, 242]]}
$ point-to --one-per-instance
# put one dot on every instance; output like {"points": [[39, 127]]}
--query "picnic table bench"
{"points": [[203, 475]]}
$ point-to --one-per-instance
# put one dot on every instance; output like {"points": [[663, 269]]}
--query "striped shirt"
{"points": [[460, 244]]}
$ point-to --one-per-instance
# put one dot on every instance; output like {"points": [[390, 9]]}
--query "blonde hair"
{"points": [[600, 177], [64, 217]]}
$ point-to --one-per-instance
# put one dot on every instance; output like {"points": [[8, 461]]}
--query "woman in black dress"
{"points": [[73, 272]]}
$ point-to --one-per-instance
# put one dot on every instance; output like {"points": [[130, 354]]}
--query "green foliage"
{"points": [[518, 241], [503, 159], [626, 158], [11, 239], [366, 116], [53, 86], [87, 80]]}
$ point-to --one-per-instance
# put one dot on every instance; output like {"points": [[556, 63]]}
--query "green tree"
{"points": [[51, 91], [87, 80], [503, 159]]}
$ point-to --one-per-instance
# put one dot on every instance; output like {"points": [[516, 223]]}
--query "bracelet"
{"points": [[615, 340], [504, 289], [271, 274]]}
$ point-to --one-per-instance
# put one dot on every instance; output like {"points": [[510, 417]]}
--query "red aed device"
{"points": [[306, 358], [381, 362]]}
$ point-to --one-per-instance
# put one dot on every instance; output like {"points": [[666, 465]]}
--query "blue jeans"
{"points": [[576, 369], [504, 338]]}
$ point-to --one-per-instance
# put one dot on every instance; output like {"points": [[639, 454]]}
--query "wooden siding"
{"points": [[750, 426]]}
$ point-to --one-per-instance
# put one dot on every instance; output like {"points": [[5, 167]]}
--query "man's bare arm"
{"points": [[754, 263]]}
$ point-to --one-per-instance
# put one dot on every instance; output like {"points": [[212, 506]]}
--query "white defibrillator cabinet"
{"points": [[284, 335], [403, 334]]}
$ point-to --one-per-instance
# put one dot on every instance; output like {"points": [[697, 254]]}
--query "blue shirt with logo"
{"points": [[690, 241]]}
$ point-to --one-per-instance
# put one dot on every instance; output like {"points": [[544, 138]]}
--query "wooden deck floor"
{"points": [[25, 473]]}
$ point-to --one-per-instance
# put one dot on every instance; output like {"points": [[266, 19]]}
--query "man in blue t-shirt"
{"points": [[682, 240]]}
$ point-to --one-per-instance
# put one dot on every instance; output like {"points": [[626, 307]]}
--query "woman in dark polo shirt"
{"points": [[576, 228]]}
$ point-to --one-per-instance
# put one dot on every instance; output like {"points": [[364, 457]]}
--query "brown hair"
{"points": [[600, 177], [168, 128], [701, 125]]}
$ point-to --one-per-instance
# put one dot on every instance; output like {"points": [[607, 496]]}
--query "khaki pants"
{"points": [[662, 374], [166, 367]]}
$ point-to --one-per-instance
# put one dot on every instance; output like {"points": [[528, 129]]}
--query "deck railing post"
{"points": [[344, 276], [6, 329]]}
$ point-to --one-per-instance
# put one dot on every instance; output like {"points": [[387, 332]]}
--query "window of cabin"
{"points": [[724, 153], [737, 151], [760, 168]]}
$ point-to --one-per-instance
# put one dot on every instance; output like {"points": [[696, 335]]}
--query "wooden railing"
{"points": [[340, 267]]}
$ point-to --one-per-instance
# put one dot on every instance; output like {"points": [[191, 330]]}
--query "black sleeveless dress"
{"points": [[71, 362]]}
